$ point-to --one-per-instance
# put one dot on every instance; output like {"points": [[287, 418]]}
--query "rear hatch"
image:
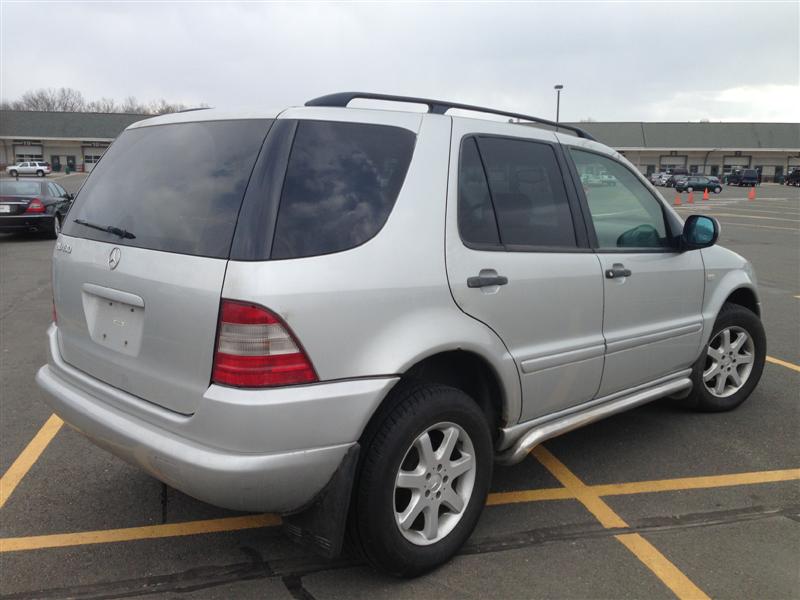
{"points": [[137, 304]]}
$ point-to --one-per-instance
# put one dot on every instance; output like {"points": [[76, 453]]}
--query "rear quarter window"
{"points": [[341, 183]]}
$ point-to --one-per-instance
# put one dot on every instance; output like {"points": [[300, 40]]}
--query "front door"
{"points": [[71, 163], [653, 294], [518, 260]]}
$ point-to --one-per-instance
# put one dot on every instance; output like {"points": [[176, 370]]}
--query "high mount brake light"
{"points": [[256, 349]]}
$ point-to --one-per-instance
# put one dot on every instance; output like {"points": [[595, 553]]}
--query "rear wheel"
{"points": [[717, 190], [424, 480], [55, 228], [690, 189], [40, 173], [732, 362]]}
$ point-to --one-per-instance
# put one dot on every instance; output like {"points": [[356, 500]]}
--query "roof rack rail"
{"points": [[183, 110], [438, 107]]}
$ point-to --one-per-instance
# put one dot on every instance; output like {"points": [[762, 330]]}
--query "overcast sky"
{"points": [[617, 61]]}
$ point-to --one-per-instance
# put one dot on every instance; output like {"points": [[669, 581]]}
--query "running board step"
{"points": [[544, 431]]}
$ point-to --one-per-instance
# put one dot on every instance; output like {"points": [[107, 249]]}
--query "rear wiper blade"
{"points": [[124, 234]]}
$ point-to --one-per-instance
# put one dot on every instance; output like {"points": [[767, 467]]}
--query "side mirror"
{"points": [[699, 231]]}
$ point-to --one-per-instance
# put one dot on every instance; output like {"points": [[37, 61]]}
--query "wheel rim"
{"points": [[729, 362], [434, 484], [56, 225]]}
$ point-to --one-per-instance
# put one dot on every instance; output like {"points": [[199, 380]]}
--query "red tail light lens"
{"points": [[35, 206], [256, 349]]}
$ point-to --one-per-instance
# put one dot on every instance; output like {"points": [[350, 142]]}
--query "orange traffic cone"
{"points": [[752, 194], [677, 199], [690, 199], [705, 194]]}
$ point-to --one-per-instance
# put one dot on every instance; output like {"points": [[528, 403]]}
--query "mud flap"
{"points": [[321, 526]]}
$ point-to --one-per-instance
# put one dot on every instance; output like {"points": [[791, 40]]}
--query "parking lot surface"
{"points": [[657, 502]]}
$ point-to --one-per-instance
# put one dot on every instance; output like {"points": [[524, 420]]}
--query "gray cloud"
{"points": [[620, 61]]}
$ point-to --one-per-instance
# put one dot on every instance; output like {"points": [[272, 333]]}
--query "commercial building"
{"points": [[77, 140], [65, 140], [773, 149]]}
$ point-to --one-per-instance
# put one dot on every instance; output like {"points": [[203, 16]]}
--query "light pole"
{"points": [[558, 88]]}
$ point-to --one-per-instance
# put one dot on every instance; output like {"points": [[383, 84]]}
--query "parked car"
{"points": [[676, 180], [38, 168], [348, 316], [698, 182], [32, 206], [793, 178], [743, 177]]}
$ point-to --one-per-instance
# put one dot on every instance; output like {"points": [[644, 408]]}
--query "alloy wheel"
{"points": [[434, 484], [729, 362]]}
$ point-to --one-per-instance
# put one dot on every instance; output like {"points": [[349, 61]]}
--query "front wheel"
{"points": [[13, 173], [424, 480], [732, 362], [690, 189]]}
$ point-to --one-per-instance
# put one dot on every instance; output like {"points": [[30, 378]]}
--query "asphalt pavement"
{"points": [[654, 503]]}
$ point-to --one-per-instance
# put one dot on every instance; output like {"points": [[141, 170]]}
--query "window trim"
{"points": [[669, 222], [582, 242]]}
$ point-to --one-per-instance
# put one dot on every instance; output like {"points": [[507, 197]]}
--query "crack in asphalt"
{"points": [[292, 570]]}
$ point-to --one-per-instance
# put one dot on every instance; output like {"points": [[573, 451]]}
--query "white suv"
{"points": [[38, 168], [348, 316]]}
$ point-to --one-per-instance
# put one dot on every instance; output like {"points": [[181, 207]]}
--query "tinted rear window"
{"points": [[341, 184], [527, 191], [177, 188]]}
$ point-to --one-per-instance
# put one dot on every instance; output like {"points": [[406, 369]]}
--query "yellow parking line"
{"points": [[149, 532], [28, 457], [695, 483], [783, 363], [661, 567], [500, 498]]}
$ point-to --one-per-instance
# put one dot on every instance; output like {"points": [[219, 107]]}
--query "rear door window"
{"points": [[176, 188], [341, 184], [527, 192]]}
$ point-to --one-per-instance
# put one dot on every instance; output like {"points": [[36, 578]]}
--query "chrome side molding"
{"points": [[540, 432]]}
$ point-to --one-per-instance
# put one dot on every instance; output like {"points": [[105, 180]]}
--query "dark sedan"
{"points": [[34, 206], [698, 182]]}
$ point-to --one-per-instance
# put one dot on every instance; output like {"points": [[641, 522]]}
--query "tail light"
{"points": [[35, 206], [256, 349]]}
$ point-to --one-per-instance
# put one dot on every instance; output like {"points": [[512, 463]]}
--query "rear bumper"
{"points": [[16, 223], [270, 478]]}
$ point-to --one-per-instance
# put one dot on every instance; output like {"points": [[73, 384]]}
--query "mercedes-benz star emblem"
{"points": [[113, 258]]}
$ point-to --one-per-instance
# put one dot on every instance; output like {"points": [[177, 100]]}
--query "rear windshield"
{"points": [[176, 188], [20, 188]]}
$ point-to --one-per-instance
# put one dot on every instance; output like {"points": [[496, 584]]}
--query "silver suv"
{"points": [[348, 315]]}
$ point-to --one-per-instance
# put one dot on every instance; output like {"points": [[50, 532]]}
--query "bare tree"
{"points": [[71, 100]]}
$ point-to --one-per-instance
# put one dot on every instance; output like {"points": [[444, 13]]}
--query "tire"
{"points": [[736, 319], [40, 173], [689, 189], [55, 228], [717, 190], [421, 410], [13, 173]]}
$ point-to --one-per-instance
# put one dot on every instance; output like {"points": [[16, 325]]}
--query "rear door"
{"points": [[138, 309], [518, 260], [653, 294]]}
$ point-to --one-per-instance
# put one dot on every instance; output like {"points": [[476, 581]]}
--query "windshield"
{"points": [[177, 187], [20, 188]]}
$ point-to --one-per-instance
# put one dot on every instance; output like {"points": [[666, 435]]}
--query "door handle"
{"points": [[486, 281], [617, 270]]}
